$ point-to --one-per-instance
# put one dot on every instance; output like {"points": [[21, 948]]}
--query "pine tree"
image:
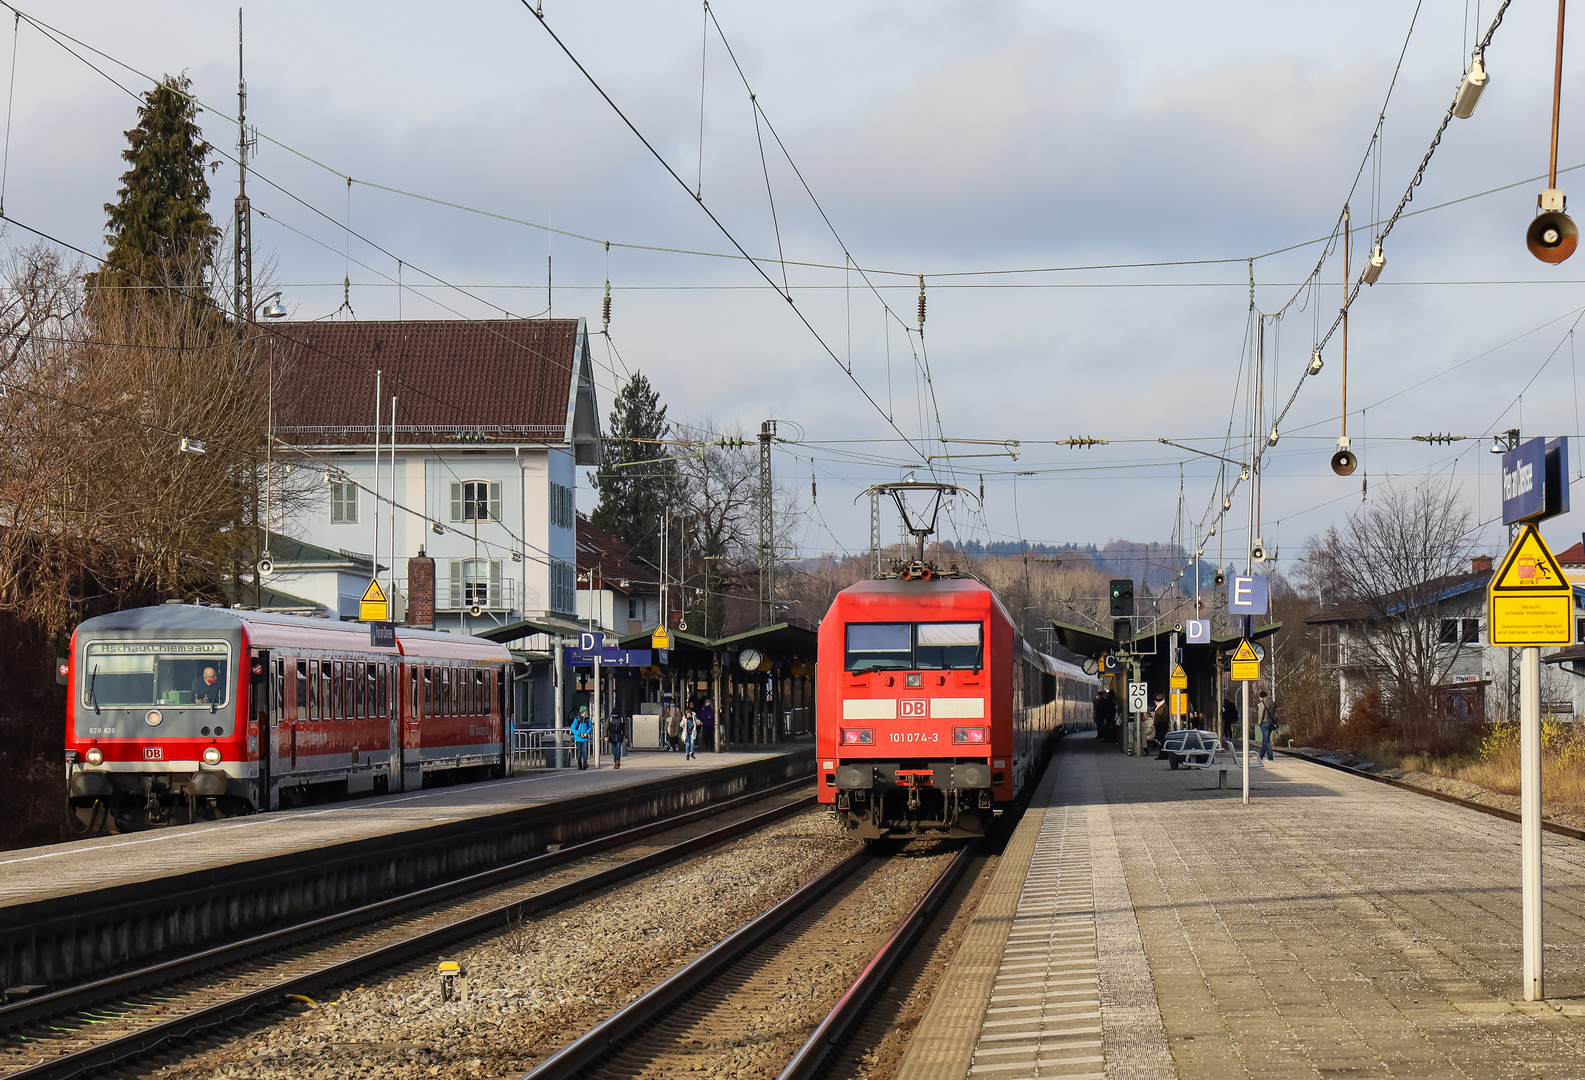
{"points": [[160, 232], [631, 498]]}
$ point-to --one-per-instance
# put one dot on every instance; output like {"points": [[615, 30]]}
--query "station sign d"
{"points": [[373, 607], [1529, 601]]}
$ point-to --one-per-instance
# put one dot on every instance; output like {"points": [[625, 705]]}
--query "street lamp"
{"points": [[275, 309]]}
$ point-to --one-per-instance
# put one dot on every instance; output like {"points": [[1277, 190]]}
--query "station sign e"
{"points": [[1529, 601], [1247, 595]]}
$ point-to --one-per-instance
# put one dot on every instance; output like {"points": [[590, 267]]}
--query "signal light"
{"points": [[968, 735], [1121, 629], [1122, 595], [858, 736]]}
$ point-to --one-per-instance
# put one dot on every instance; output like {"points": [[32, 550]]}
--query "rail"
{"points": [[65, 1003]]}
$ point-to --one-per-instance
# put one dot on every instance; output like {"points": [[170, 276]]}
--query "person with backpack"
{"points": [[582, 729], [1266, 716], [616, 735]]}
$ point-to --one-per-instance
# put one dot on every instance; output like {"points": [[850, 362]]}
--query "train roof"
{"points": [[169, 618]]}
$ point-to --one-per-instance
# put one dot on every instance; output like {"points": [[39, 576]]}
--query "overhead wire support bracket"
{"points": [[1204, 453]]}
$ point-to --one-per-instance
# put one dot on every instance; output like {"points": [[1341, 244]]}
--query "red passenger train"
{"points": [[932, 711], [182, 712]]}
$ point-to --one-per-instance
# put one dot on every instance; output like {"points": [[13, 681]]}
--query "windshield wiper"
{"points": [[92, 698]]}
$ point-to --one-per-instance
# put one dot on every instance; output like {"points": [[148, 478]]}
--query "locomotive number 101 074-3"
{"points": [[916, 736]]}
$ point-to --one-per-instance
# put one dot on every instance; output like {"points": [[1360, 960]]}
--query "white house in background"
{"points": [[493, 417], [617, 587]]}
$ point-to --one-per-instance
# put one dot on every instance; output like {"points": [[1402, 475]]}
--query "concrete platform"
{"points": [[69, 910], [1144, 924], [32, 874]]}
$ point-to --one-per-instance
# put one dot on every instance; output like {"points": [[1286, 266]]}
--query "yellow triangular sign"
{"points": [[1245, 653], [1530, 567], [373, 594]]}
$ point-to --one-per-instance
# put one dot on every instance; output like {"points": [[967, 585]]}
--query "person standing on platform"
{"points": [[707, 723], [674, 729], [1105, 709], [1229, 719], [1266, 716], [616, 735], [690, 733], [582, 729], [1162, 720]]}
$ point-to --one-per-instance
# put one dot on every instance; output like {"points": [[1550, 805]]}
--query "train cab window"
{"points": [[948, 646], [140, 673], [879, 646]]}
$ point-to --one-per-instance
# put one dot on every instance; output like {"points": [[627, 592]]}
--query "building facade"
{"points": [[478, 472]]}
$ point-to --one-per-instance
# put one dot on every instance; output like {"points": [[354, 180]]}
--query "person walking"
{"points": [[707, 724], [1266, 715], [1229, 719], [673, 729], [616, 735], [582, 729], [690, 733]]}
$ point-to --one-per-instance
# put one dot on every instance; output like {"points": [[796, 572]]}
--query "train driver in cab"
{"points": [[208, 690]]}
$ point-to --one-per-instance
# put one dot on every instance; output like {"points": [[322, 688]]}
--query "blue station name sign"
{"points": [[1535, 480]]}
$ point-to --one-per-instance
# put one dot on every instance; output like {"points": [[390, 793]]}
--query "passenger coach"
{"points": [[181, 712], [932, 711]]}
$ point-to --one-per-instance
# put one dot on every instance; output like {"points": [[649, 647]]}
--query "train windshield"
{"points": [[914, 646], [122, 674]]}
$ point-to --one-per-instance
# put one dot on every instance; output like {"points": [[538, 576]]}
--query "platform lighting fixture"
{"points": [[1469, 90], [1497, 445], [438, 529], [274, 309], [192, 446], [517, 556], [1315, 363], [1374, 267], [1271, 440]]}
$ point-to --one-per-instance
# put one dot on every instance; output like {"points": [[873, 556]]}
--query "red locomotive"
{"points": [[932, 711], [181, 712]]}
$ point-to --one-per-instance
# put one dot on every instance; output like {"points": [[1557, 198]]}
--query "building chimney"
{"points": [[1476, 565], [421, 591]]}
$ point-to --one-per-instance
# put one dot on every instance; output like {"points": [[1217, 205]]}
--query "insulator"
{"points": [[921, 303], [605, 308]]}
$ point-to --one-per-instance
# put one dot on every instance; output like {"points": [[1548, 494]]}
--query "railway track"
{"points": [[82, 1029], [748, 1003]]}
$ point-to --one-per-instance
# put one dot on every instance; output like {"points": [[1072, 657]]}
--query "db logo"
{"points": [[153, 753], [913, 710]]}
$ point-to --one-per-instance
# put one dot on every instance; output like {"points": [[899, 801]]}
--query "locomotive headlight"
{"points": [[962, 735], [858, 736], [154, 718], [211, 755], [95, 756]]}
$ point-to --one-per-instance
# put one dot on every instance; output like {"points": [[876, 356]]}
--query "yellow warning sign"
{"points": [[1529, 601], [1246, 665], [1180, 680], [660, 639], [373, 607], [1180, 703]]}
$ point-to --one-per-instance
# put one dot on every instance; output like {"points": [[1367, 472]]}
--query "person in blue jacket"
{"points": [[582, 730]]}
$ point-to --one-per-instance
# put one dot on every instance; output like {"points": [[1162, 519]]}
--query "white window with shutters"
{"points": [[476, 500], [343, 502], [477, 582]]}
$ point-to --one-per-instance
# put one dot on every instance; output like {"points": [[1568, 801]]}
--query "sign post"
{"points": [[1529, 603], [1138, 702], [1246, 669]]}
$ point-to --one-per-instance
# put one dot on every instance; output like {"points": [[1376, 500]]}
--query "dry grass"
{"points": [[1495, 764]]}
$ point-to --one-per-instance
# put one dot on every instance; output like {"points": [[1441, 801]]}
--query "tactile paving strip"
{"points": [[1044, 1018]]}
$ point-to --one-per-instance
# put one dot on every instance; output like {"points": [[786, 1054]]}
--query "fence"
{"points": [[541, 748]]}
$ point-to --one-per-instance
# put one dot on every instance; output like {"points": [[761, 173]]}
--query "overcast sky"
{"points": [[939, 138]]}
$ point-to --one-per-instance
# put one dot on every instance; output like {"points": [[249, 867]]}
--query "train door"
{"points": [[390, 701], [261, 707], [412, 743]]}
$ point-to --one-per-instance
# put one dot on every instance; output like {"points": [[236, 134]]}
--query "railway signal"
{"points": [[1122, 598]]}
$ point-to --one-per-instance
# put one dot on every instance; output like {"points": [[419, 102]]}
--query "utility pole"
{"points": [[242, 299], [767, 527]]}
